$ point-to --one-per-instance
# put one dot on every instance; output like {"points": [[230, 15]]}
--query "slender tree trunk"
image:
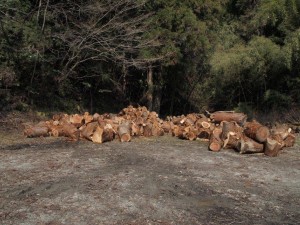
{"points": [[150, 88], [158, 92]]}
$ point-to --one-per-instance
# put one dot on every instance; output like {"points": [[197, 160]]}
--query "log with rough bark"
{"points": [[256, 131], [232, 127], [204, 133], [124, 132], [290, 140], [97, 135], [76, 120], [177, 131], [190, 133], [56, 130], [282, 130], [272, 147], [148, 129], [232, 141], [88, 130], [71, 132], [157, 130], [109, 133], [215, 142], [36, 131], [248, 145], [135, 129], [203, 123], [228, 116], [167, 126]]}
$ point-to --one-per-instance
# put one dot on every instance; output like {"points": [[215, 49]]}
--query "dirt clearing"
{"points": [[147, 181]]}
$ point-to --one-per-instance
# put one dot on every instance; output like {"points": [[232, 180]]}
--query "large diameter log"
{"points": [[157, 130], [230, 127], [97, 135], [220, 116], [203, 123], [71, 131], [272, 147], [76, 120], [232, 141], [281, 130], [190, 133], [56, 130], [290, 140], [248, 145], [124, 132], [36, 131], [108, 133], [88, 130], [256, 131], [148, 129], [215, 142], [204, 133]]}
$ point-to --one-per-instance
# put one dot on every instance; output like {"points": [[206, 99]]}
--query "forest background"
{"points": [[172, 56]]}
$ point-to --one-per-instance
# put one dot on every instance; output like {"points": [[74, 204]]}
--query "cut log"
{"points": [[56, 130], [124, 132], [220, 116], [228, 127], [232, 141], [87, 118], [97, 135], [282, 130], [71, 131], [177, 131], [248, 145], [88, 131], [36, 131], [135, 130], [157, 130], [204, 133], [76, 120], [108, 133], [290, 140], [215, 142], [148, 129], [203, 123], [256, 131], [272, 147], [190, 133], [167, 126]]}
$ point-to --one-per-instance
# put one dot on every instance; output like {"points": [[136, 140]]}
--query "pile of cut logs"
{"points": [[222, 129]]}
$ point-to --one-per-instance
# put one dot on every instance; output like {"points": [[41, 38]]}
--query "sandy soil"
{"points": [[148, 181]]}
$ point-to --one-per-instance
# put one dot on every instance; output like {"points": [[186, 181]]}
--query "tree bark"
{"points": [[124, 132], [215, 142], [150, 90], [272, 147], [248, 145], [257, 131], [220, 116]]}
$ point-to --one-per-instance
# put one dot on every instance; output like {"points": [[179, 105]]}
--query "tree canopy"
{"points": [[173, 56]]}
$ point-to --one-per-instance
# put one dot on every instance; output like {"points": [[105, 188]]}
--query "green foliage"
{"points": [[205, 54]]}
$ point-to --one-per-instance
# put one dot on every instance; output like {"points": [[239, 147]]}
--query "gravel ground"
{"points": [[147, 181]]}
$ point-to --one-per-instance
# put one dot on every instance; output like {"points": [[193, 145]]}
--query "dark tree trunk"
{"points": [[150, 90]]}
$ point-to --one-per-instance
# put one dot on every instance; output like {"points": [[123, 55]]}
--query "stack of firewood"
{"points": [[229, 130], [100, 128], [221, 129]]}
